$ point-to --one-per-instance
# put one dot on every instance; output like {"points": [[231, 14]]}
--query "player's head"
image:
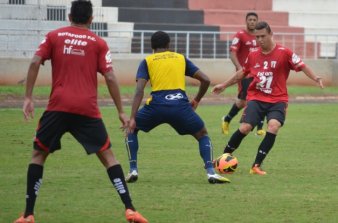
{"points": [[251, 19], [160, 40], [81, 12], [263, 34]]}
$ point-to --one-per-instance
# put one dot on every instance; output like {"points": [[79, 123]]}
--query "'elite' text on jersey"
{"points": [[166, 72], [77, 55], [270, 73]]}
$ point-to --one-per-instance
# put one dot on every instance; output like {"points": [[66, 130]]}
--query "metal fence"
{"points": [[25, 22], [23, 43]]}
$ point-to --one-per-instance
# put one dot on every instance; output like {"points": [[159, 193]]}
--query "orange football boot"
{"points": [[257, 170], [28, 219], [135, 217]]}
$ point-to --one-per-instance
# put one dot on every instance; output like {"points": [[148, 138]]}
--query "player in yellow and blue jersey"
{"points": [[166, 71]]}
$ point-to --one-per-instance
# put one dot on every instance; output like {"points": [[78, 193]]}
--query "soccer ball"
{"points": [[226, 163]]}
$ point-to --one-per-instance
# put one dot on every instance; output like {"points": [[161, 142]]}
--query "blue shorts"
{"points": [[181, 117]]}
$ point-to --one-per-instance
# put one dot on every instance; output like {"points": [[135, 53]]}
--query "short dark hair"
{"points": [[81, 11], [160, 39], [263, 25], [251, 14]]}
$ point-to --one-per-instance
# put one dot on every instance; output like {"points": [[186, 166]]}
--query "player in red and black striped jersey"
{"points": [[269, 67], [76, 55], [243, 42]]}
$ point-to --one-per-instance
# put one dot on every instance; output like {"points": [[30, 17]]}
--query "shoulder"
{"points": [[58, 32], [283, 49], [99, 40], [287, 53], [241, 32], [255, 52]]}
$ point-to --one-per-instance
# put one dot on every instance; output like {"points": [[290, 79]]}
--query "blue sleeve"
{"points": [[190, 68], [142, 71]]}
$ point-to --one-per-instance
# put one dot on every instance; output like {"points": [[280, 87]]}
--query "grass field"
{"points": [[301, 185], [16, 91]]}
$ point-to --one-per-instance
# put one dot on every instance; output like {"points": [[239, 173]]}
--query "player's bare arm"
{"points": [[28, 105], [309, 72], [234, 60], [217, 89], [114, 92], [139, 93], [204, 85]]}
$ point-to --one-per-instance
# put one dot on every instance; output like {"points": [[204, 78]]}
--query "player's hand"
{"points": [[132, 126], [28, 108], [194, 104], [217, 89], [124, 120]]}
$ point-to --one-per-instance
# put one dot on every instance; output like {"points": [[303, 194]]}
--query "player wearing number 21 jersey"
{"points": [[270, 72], [269, 68]]}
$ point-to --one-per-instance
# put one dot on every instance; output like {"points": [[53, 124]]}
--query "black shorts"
{"points": [[89, 132], [243, 90], [255, 111]]}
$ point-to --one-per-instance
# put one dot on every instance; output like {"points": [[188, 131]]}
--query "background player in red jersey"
{"points": [[76, 54], [243, 42], [269, 67]]}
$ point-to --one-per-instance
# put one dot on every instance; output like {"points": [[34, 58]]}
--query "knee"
{"points": [[201, 133], [39, 157], [245, 128], [107, 158], [240, 103], [274, 126]]}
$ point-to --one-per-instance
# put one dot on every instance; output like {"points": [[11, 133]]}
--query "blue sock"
{"points": [[205, 147], [132, 148]]}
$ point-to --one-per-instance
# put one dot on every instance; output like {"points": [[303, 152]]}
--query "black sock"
{"points": [[264, 148], [232, 113], [260, 125], [34, 181], [234, 142], [116, 176]]}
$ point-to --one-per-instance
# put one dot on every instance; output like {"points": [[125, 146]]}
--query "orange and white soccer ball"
{"points": [[226, 163]]}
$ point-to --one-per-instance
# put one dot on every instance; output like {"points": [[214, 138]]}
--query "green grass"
{"points": [[301, 185], [128, 91]]}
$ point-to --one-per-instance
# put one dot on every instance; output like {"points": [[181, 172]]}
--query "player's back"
{"points": [[166, 71], [75, 54]]}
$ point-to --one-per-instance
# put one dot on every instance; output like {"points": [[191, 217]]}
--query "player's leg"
{"points": [[93, 136], [187, 123], [206, 153], [34, 181], [117, 178], [250, 117], [237, 106], [131, 142], [147, 118], [205, 148], [276, 118], [237, 137], [260, 131], [48, 135]]}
